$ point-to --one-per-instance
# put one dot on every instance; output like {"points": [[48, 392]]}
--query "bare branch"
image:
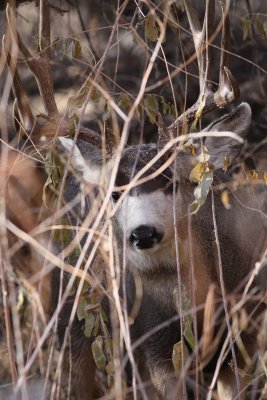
{"points": [[201, 39], [228, 89], [24, 110], [39, 66], [51, 125]]}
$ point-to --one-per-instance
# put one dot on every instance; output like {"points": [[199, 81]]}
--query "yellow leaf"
{"points": [[201, 191], [252, 176], [225, 199], [227, 162], [189, 147], [198, 171], [199, 111]]}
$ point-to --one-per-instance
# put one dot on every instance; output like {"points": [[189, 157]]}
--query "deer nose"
{"points": [[145, 237]]}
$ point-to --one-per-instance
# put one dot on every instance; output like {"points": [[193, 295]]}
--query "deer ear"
{"points": [[238, 122], [91, 171]]}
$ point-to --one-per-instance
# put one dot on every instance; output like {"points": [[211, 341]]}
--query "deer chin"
{"points": [[147, 250]]}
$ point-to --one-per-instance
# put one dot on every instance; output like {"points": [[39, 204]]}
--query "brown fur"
{"points": [[23, 189]]}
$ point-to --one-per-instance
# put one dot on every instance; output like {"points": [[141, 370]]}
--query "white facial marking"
{"points": [[153, 209]]}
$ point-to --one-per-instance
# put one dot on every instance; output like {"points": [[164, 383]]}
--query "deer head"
{"points": [[153, 189]]}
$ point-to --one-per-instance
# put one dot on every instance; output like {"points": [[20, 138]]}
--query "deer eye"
{"points": [[115, 196]]}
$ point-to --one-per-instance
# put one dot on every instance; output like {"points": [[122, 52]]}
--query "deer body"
{"points": [[168, 247]]}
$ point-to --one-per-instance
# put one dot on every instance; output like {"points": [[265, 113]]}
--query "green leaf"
{"points": [[259, 25], [89, 324], [188, 333], [97, 325], [166, 106], [151, 29], [81, 308], [104, 315], [110, 372], [151, 107], [97, 350], [125, 102], [246, 23], [201, 191], [179, 354]]}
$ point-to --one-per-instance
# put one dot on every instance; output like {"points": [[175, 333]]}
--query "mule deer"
{"points": [[211, 251], [216, 246], [209, 254]]}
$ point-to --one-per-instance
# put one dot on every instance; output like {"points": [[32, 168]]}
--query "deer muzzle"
{"points": [[145, 237]]}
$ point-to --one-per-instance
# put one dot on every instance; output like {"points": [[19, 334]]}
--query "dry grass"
{"points": [[40, 229]]}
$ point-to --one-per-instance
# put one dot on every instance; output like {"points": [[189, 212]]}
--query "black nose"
{"points": [[145, 237]]}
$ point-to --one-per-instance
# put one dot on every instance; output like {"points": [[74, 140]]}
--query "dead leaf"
{"points": [[225, 199], [201, 191], [151, 29]]}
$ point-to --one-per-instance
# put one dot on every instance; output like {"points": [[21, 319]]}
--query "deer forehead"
{"points": [[141, 159], [153, 209]]}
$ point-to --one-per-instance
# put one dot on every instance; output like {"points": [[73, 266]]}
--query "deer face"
{"points": [[145, 216]]}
